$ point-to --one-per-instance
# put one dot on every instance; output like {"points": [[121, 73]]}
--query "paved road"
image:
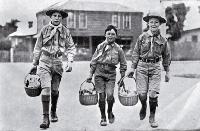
{"points": [[178, 103]]}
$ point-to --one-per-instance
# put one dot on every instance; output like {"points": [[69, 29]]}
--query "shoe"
{"points": [[152, 121], [143, 112], [54, 117], [111, 117], [45, 124], [103, 122]]}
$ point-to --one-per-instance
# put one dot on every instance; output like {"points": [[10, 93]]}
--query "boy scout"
{"points": [[54, 40], [149, 50], [103, 65]]}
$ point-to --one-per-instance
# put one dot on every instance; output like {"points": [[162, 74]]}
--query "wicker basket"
{"points": [[32, 83], [33, 92], [127, 100], [88, 99]]}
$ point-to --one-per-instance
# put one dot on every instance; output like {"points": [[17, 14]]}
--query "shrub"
{"points": [[5, 44]]}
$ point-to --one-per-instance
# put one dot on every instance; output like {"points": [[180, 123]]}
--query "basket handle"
{"points": [[86, 81], [121, 80]]}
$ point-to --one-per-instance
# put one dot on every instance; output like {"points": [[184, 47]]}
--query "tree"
{"points": [[175, 26], [8, 28], [5, 30]]}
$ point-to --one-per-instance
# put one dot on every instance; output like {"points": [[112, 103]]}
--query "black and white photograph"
{"points": [[100, 65]]}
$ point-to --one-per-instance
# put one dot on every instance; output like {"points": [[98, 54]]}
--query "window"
{"points": [[116, 20], [194, 38], [126, 21], [71, 20], [82, 20]]}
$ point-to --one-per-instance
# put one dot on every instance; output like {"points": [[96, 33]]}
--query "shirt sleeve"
{"points": [[136, 54], [70, 48], [166, 56], [93, 62], [37, 48], [123, 63]]}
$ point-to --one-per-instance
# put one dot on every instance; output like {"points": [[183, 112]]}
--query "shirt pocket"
{"points": [[62, 40], [114, 57], [158, 47], [46, 39], [145, 45]]}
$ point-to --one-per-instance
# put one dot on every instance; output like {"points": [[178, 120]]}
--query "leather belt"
{"points": [[150, 60], [105, 65], [56, 55]]}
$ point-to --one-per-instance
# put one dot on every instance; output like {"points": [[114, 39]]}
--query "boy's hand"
{"points": [[35, 62], [89, 79], [167, 77], [131, 73], [68, 68]]}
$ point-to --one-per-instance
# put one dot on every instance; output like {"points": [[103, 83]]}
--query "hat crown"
{"points": [[154, 14], [50, 11]]}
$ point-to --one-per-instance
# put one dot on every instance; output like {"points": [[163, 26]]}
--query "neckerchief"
{"points": [[105, 48], [55, 28], [152, 38]]}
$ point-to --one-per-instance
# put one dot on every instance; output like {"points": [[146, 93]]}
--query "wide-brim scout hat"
{"points": [[51, 11], [154, 15]]}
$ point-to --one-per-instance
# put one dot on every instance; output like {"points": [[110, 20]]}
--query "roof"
{"points": [[191, 30], [91, 6], [24, 31]]}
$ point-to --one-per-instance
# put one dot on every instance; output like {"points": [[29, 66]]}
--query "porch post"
{"points": [[90, 45]]}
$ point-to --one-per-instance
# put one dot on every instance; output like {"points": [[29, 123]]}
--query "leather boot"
{"points": [[102, 105], [45, 104], [45, 124], [111, 116], [153, 103], [143, 99], [54, 100]]}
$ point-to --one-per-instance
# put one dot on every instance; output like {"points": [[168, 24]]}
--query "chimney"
{"points": [[30, 24]]}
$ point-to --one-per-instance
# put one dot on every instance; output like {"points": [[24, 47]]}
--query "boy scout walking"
{"points": [[149, 50], [53, 42], [103, 65]]}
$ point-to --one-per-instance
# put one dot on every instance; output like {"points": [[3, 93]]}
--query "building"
{"points": [[88, 20], [23, 42], [187, 47]]}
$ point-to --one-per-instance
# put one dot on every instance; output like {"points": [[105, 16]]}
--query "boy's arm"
{"points": [[37, 49]]}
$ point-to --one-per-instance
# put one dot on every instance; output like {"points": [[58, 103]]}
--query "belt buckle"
{"points": [[51, 55]]}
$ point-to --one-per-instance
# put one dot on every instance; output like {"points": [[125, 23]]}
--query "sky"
{"points": [[25, 10]]}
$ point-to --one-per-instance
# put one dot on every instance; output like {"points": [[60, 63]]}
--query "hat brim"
{"points": [[50, 12], [162, 20]]}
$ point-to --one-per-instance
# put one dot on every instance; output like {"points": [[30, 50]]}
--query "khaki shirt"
{"points": [[108, 54], [53, 38], [149, 46]]}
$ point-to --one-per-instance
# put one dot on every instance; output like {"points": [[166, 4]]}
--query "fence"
{"points": [[4, 56], [19, 56], [181, 52], [22, 56]]}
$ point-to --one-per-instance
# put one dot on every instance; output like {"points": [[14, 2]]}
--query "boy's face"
{"points": [[154, 24], [56, 18], [110, 36]]}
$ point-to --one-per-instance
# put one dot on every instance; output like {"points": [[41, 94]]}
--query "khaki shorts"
{"points": [[148, 77], [103, 84], [50, 72]]}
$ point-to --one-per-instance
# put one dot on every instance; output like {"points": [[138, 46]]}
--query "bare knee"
{"points": [[143, 96], [153, 94], [46, 91]]}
